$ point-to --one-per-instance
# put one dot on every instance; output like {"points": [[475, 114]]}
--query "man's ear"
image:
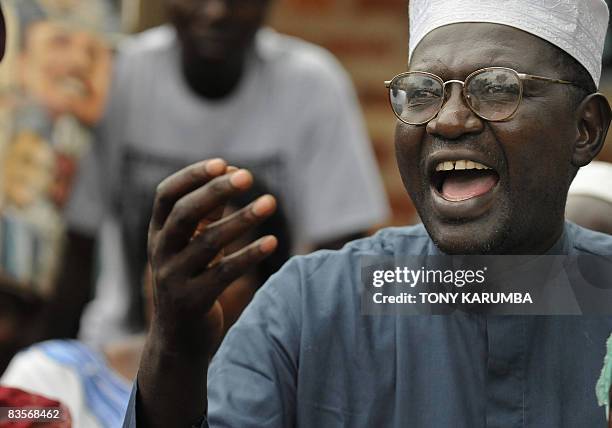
{"points": [[593, 115]]}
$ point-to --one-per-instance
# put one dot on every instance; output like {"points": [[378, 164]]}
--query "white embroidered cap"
{"points": [[576, 26]]}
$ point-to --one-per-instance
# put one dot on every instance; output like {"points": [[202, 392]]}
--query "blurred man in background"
{"points": [[215, 83]]}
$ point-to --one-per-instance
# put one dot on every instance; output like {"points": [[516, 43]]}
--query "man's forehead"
{"points": [[467, 47]]}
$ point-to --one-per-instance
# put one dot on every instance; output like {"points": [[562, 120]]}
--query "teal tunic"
{"points": [[303, 354]]}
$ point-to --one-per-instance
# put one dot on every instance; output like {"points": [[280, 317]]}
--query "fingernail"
{"points": [[264, 205], [241, 179], [215, 166], [268, 244]]}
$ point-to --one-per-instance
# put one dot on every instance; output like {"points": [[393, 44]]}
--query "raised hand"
{"points": [[187, 234], [188, 275]]}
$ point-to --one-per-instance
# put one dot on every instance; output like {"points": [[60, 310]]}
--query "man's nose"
{"points": [[454, 118]]}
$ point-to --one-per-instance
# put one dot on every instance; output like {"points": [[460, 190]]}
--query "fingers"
{"points": [[187, 231], [189, 210], [217, 213], [234, 266], [203, 249], [181, 183]]}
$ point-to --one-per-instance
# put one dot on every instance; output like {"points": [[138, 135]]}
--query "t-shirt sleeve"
{"points": [[338, 179], [252, 378]]}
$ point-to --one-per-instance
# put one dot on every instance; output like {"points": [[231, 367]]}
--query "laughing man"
{"points": [[498, 111]]}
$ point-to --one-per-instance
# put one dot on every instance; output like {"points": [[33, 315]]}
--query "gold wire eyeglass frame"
{"points": [[520, 76]]}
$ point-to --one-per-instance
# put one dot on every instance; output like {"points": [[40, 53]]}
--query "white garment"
{"points": [[75, 375], [294, 121]]}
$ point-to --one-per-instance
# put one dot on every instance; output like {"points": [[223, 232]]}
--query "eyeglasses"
{"points": [[492, 93]]}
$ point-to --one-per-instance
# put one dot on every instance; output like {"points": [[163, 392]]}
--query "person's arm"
{"points": [[188, 276]]}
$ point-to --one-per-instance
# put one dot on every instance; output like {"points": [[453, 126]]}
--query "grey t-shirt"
{"points": [[302, 354], [294, 121]]}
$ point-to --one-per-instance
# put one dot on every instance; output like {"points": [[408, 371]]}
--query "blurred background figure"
{"points": [[95, 385], [359, 33], [589, 201], [217, 83]]}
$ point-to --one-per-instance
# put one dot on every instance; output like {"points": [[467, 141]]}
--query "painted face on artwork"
{"points": [[517, 204], [64, 68], [216, 30]]}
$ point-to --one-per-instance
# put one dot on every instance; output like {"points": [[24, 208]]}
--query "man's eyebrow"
{"points": [[495, 61]]}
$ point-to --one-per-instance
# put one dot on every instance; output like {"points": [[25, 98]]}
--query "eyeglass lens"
{"points": [[493, 94]]}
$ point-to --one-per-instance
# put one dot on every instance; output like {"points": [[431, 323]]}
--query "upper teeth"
{"points": [[460, 164]]}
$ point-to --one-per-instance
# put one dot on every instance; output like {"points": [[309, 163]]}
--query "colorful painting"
{"points": [[53, 87]]}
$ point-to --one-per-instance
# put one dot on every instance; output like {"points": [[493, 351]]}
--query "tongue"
{"points": [[462, 185]]}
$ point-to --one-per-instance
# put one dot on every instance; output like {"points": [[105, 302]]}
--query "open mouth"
{"points": [[461, 180]]}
